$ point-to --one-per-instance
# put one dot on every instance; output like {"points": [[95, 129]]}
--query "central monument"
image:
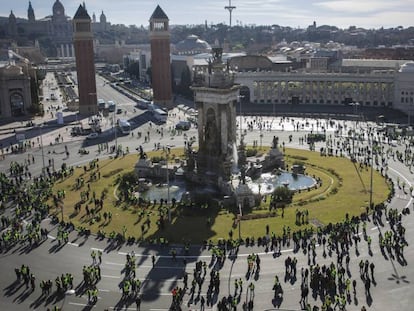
{"points": [[215, 96]]}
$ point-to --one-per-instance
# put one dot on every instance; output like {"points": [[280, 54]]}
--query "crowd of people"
{"points": [[327, 276]]}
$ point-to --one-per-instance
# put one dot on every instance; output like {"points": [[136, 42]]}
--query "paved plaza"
{"points": [[160, 271]]}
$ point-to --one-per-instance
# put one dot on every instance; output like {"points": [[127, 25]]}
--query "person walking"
{"points": [[251, 288], [100, 256], [372, 266], [138, 302]]}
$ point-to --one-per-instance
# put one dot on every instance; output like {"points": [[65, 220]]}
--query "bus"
{"points": [[111, 106], [160, 115], [124, 127], [101, 104]]}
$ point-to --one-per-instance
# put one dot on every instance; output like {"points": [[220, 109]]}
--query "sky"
{"points": [[294, 13]]}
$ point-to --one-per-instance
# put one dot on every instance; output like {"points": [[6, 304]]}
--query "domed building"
{"points": [[192, 45], [61, 25], [58, 11], [57, 26], [185, 54]]}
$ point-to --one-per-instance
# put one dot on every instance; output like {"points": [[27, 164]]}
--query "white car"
{"points": [[92, 136]]}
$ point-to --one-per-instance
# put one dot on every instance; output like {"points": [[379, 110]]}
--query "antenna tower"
{"points": [[230, 8]]}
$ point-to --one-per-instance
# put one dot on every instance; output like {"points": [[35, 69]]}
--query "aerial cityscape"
{"points": [[217, 155], [367, 14]]}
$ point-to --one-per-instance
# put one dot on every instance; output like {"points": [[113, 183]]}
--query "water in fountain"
{"points": [[160, 191], [235, 166], [268, 182], [177, 189]]}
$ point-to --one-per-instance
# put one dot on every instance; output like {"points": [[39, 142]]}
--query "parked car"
{"points": [[93, 135], [183, 125]]}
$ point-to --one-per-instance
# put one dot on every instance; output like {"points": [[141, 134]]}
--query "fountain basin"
{"points": [[268, 182]]}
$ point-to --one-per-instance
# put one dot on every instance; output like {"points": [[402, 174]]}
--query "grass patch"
{"points": [[344, 189]]}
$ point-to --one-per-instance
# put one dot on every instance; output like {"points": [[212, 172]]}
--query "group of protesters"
{"points": [[332, 282], [131, 285]]}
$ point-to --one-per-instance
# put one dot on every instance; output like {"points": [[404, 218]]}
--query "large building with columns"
{"points": [[374, 84], [373, 89]]}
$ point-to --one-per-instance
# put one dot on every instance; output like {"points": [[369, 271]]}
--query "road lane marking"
{"points": [[114, 263], [110, 276]]}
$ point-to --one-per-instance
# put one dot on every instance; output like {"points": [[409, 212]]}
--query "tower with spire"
{"points": [[102, 20], [85, 66], [160, 58], [30, 13], [12, 25]]}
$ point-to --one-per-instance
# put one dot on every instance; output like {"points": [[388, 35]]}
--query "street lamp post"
{"points": [[240, 105], [41, 147], [372, 173], [354, 130], [168, 192], [240, 216], [115, 133], [168, 187]]}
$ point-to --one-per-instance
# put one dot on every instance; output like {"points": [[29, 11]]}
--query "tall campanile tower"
{"points": [[85, 66], [160, 58]]}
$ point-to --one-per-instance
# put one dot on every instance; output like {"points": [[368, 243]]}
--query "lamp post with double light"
{"points": [[240, 97], [41, 147]]}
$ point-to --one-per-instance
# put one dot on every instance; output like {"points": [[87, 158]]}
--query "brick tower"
{"points": [[160, 58], [85, 66]]}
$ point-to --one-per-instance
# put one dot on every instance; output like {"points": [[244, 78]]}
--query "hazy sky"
{"points": [[299, 13]]}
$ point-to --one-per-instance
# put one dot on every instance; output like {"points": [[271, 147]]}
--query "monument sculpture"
{"points": [[216, 96]]}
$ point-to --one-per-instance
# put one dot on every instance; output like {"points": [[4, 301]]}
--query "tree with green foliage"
{"points": [[185, 82], [133, 69], [127, 181], [281, 194]]}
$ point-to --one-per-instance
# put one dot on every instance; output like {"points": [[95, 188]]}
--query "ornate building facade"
{"points": [[57, 27], [18, 86]]}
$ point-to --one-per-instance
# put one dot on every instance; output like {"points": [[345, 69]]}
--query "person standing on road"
{"points": [[138, 302], [251, 288], [100, 256]]}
